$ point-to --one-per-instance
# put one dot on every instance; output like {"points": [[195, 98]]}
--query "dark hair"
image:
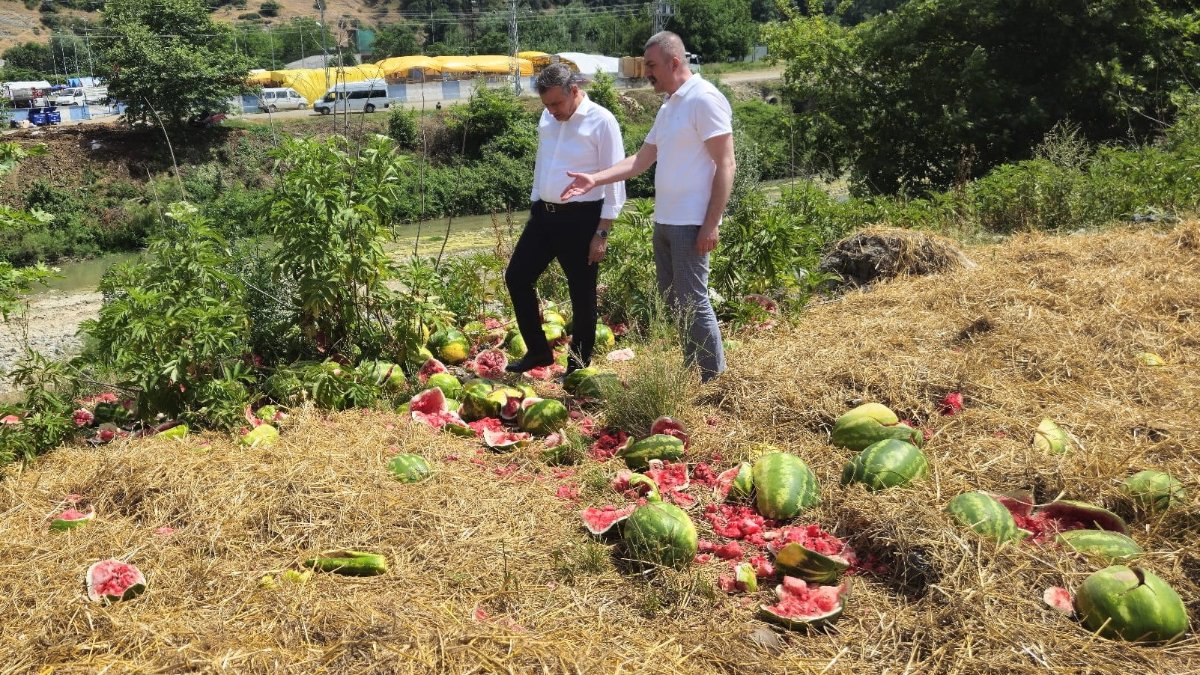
{"points": [[556, 75]]}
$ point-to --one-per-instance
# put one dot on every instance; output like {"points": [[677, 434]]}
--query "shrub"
{"points": [[404, 128]]}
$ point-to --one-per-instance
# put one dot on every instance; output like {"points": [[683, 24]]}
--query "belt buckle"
{"points": [[549, 207]]}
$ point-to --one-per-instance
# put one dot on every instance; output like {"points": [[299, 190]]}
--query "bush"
{"points": [[603, 92], [404, 128], [269, 8]]}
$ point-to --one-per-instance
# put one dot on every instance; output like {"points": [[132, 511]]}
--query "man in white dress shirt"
{"points": [[692, 141], [574, 134]]}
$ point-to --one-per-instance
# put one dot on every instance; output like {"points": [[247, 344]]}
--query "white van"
{"points": [[273, 99], [81, 96], [366, 96]]}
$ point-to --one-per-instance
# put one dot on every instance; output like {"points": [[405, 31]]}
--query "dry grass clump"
{"points": [[884, 252], [490, 571]]}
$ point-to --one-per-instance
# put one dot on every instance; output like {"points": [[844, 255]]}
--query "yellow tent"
{"points": [[455, 65], [260, 77], [312, 83], [496, 64], [538, 59], [400, 68]]}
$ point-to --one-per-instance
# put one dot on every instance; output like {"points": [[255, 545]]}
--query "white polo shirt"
{"points": [[696, 112], [589, 141]]}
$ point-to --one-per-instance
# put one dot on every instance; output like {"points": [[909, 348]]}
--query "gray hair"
{"points": [[670, 44], [556, 75]]}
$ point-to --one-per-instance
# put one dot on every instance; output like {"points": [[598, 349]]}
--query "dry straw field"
{"points": [[491, 572]]}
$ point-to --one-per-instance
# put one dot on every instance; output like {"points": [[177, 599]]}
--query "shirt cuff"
{"points": [[609, 212]]}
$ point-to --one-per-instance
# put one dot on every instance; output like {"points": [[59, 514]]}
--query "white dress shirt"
{"points": [[696, 112], [587, 142]]}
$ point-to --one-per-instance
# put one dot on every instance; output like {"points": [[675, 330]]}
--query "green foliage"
{"points": [[45, 411], [603, 92], [627, 274], [173, 325], [717, 30], [488, 114], [396, 39], [770, 128], [269, 8], [169, 57], [404, 128], [941, 91]]}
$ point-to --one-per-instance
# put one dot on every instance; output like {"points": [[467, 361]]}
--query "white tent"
{"points": [[590, 64]]}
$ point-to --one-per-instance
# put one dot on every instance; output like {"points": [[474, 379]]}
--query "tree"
{"points": [[604, 93], [943, 90], [169, 57], [32, 56], [397, 39], [717, 30]]}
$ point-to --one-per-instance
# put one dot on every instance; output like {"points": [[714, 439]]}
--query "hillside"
{"points": [[491, 572]]}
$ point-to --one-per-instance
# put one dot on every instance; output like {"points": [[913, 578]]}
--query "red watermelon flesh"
{"points": [[608, 443], [813, 538], [430, 401], [486, 424], [490, 364], [502, 440], [1059, 598], [671, 427], [801, 601], [600, 520], [429, 369], [114, 580], [669, 477]]}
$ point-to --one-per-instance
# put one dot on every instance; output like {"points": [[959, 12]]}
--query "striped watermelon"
{"points": [[888, 463], [870, 423], [795, 560], [1073, 515], [447, 382], [985, 515], [450, 346], [802, 605], [72, 518], [600, 386], [783, 486], [543, 416], [571, 382], [736, 484], [658, 446], [409, 468], [1111, 546], [658, 533], [1132, 604], [1154, 490]]}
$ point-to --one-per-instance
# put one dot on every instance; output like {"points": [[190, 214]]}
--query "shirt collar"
{"points": [[686, 86], [584, 106]]}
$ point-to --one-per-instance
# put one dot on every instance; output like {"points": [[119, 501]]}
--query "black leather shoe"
{"points": [[528, 363]]}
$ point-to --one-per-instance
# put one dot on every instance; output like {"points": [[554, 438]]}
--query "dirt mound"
{"points": [[490, 569], [875, 254]]}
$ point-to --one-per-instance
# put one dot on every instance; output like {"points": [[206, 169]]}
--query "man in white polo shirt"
{"points": [[574, 134], [692, 141]]}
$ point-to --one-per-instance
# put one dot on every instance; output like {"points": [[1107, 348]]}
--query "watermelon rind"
{"points": [[408, 468], [544, 417], [794, 560], [349, 563], [985, 515], [261, 436], [447, 382], [658, 533], [886, 464], [870, 423], [571, 382], [619, 516], [784, 486], [736, 484], [600, 386], [659, 446], [1092, 516], [1108, 546], [61, 524], [1131, 604], [1154, 490], [1049, 437], [504, 440], [766, 613]]}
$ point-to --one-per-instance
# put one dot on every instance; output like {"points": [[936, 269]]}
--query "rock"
{"points": [[874, 254]]}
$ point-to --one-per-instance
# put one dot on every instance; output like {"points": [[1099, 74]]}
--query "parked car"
{"points": [[367, 96], [81, 95], [273, 99]]}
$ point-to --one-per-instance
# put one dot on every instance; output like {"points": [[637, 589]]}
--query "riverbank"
{"points": [[50, 325]]}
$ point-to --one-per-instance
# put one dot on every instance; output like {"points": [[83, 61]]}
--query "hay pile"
{"points": [[490, 571]]}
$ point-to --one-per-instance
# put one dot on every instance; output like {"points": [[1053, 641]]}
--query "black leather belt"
{"points": [[550, 207]]}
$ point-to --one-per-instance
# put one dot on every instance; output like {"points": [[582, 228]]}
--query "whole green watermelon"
{"points": [[985, 515], [870, 423], [783, 486], [888, 463], [658, 533], [1132, 604]]}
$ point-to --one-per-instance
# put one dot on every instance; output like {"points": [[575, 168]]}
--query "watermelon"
{"points": [[736, 484], [178, 431], [263, 436], [671, 427], [515, 344], [449, 345], [1073, 515], [1050, 438], [430, 368], [658, 533], [1059, 599], [888, 463], [1110, 546], [1150, 359], [599, 521], [490, 363], [476, 405], [551, 315], [430, 407], [72, 518], [801, 605], [599, 386], [554, 332], [1154, 490], [659, 446], [605, 339], [1132, 604], [409, 468], [543, 416], [504, 440], [795, 560], [870, 423], [112, 581], [572, 381], [385, 375], [984, 514], [745, 577], [448, 383], [349, 563], [783, 486]]}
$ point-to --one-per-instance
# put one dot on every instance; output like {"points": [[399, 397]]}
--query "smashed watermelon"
{"points": [[671, 427], [112, 580], [608, 444], [599, 520], [803, 605], [430, 408], [490, 364], [430, 368], [504, 440]]}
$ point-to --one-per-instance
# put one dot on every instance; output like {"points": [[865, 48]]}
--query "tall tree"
{"points": [[397, 39], [940, 90], [169, 57], [715, 29]]}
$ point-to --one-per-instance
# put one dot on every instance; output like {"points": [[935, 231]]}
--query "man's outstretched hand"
{"points": [[581, 184]]}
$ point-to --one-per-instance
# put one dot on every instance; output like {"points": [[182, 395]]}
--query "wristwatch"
{"points": [[603, 234]]}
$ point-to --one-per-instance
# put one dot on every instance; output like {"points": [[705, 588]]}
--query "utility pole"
{"points": [[663, 11], [324, 47], [514, 45]]}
